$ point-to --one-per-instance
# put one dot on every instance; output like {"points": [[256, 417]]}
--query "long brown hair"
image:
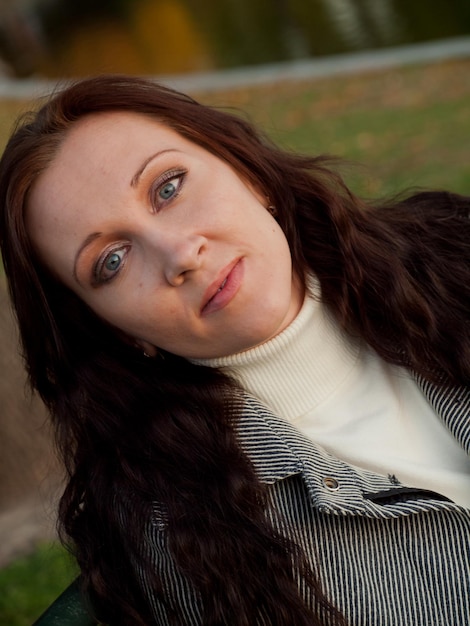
{"points": [[133, 431]]}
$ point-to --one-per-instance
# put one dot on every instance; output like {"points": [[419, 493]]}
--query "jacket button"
{"points": [[330, 483]]}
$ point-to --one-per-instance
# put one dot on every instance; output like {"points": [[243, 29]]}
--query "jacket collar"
{"points": [[452, 405], [277, 451]]}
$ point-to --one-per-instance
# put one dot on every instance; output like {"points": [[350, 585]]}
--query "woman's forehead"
{"points": [[99, 144], [118, 126]]}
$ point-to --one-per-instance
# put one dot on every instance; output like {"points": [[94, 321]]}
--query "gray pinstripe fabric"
{"points": [[387, 555]]}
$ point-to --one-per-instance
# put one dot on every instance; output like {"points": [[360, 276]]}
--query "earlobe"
{"points": [[271, 209], [146, 348]]}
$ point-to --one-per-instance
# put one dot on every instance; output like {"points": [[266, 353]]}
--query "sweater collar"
{"points": [[299, 368]]}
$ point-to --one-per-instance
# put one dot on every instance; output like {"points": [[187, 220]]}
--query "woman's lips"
{"points": [[223, 289]]}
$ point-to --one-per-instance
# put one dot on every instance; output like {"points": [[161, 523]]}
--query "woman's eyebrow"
{"points": [[88, 240], [140, 171]]}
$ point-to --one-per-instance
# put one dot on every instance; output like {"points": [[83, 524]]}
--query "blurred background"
{"points": [[56, 38], [404, 125]]}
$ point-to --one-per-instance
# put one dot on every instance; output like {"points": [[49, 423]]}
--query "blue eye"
{"points": [[167, 190], [109, 265], [113, 262]]}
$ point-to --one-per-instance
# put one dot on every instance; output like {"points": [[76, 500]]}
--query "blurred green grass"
{"points": [[29, 584], [405, 127]]}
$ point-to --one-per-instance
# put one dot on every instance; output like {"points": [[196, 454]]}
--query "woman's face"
{"points": [[162, 239]]}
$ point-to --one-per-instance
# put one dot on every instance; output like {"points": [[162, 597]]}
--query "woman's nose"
{"points": [[181, 254]]}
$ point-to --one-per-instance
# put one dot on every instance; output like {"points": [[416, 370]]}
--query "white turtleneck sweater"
{"points": [[344, 397]]}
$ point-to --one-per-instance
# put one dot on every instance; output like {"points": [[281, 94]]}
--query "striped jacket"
{"points": [[388, 555]]}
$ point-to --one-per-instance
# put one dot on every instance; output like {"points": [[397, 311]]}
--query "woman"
{"points": [[259, 383]]}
